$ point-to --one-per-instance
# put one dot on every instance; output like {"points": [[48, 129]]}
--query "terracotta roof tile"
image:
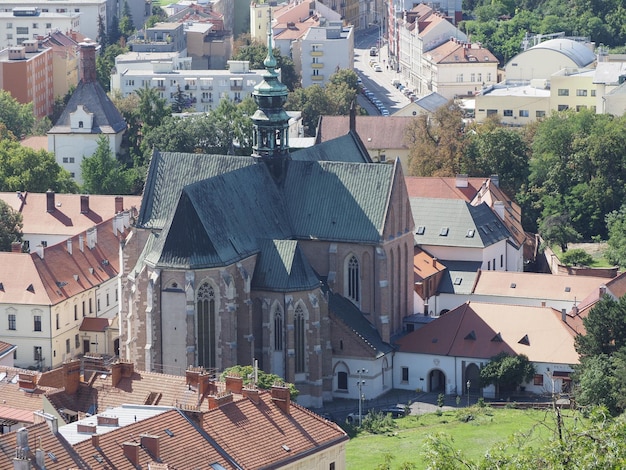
{"points": [[35, 142], [67, 218], [549, 338], [376, 132], [5, 348], [94, 324], [18, 272], [425, 265], [12, 396], [278, 436]]}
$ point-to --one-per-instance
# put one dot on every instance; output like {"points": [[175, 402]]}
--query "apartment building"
{"points": [[23, 24], [26, 73], [89, 12], [203, 88]]}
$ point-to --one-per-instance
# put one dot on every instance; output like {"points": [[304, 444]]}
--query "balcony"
{"points": [[317, 53], [206, 100], [206, 87], [317, 78], [317, 65]]}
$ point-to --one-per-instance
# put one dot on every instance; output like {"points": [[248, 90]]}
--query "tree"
{"points": [[437, 142], [10, 226], [102, 39], [181, 102], [576, 257], [605, 328], [264, 380], [558, 229], [18, 118], [127, 27], [152, 108], [616, 228], [504, 370], [103, 174], [502, 152], [25, 169], [105, 63]]}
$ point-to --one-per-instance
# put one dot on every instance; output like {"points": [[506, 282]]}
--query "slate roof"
{"points": [[431, 102], [459, 277], [471, 330], [352, 317], [106, 118], [450, 222], [282, 267], [609, 73], [346, 147]]}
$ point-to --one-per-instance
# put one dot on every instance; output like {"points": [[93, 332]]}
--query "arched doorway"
{"points": [[437, 381], [472, 373]]}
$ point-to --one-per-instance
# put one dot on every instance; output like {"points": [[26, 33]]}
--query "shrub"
{"points": [[576, 257]]}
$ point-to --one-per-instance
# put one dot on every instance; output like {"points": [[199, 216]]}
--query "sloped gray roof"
{"points": [[170, 172], [338, 201], [352, 317], [106, 118], [459, 277], [431, 102], [220, 220], [281, 266], [347, 148], [609, 73], [453, 222]]}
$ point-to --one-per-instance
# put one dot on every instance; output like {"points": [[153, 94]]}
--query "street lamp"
{"points": [[468, 385], [360, 384]]}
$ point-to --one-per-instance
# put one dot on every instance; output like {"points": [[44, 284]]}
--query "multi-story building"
{"points": [[65, 62], [54, 298], [26, 73], [203, 88], [162, 37], [456, 69], [89, 10], [324, 50], [23, 24]]}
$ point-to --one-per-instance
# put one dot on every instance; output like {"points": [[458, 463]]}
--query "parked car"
{"points": [[378, 68], [396, 411], [373, 51], [384, 112], [353, 418]]}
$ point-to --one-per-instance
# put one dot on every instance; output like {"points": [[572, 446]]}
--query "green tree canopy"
{"points": [[605, 328], [264, 380], [25, 169], [103, 173], [504, 370], [558, 229], [105, 63], [10, 226], [616, 227], [18, 118]]}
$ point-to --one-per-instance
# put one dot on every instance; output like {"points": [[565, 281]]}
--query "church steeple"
{"points": [[271, 121]]}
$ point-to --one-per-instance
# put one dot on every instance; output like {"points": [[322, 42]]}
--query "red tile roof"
{"points": [[376, 132], [94, 324], [473, 329], [442, 187], [277, 436], [67, 218], [35, 142], [5, 348], [21, 283], [457, 52], [11, 395], [425, 265]]}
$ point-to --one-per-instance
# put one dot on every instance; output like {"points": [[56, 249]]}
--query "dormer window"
{"points": [[420, 230], [80, 124]]}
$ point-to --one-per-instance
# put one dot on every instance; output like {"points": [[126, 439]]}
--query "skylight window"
{"points": [[513, 285], [568, 289], [169, 433], [470, 233], [457, 281], [420, 230], [444, 232]]}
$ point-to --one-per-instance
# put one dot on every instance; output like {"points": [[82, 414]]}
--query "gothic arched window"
{"points": [[278, 329], [298, 329], [354, 279], [207, 347]]}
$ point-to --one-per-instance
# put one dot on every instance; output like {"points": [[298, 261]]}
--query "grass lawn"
{"points": [[472, 438], [596, 250]]}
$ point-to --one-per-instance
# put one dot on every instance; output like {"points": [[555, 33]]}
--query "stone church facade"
{"points": [[290, 259]]}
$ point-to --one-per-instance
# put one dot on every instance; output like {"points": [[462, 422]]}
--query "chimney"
{"points": [[92, 237], [131, 452], [116, 373], [281, 397], [495, 180], [71, 376], [84, 204], [22, 439], [108, 421], [434, 262], [353, 117], [95, 440], [461, 181], [40, 458], [575, 310], [543, 303], [564, 315], [69, 246], [81, 243], [86, 428], [215, 401], [88, 62], [234, 384], [498, 207], [49, 201], [119, 204], [252, 394], [602, 290], [39, 249], [16, 247], [151, 444]]}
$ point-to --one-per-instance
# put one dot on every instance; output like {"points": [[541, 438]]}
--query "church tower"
{"points": [[271, 121]]}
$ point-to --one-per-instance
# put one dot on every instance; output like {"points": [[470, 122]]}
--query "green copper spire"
{"points": [[271, 121]]}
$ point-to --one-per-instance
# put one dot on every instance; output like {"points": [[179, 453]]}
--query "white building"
{"points": [[322, 51], [203, 88], [28, 23], [89, 11]]}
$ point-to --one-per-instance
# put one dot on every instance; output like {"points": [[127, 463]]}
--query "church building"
{"points": [[302, 261]]}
